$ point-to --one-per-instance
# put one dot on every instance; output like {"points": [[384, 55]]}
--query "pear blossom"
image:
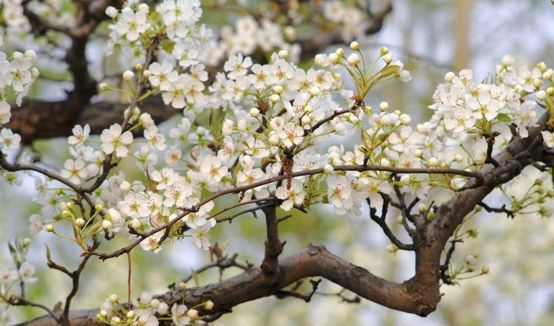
{"points": [[5, 113], [74, 170], [113, 140], [152, 243], [8, 140], [179, 315], [291, 196], [26, 272], [132, 24], [200, 234], [199, 218], [548, 138], [80, 135]]}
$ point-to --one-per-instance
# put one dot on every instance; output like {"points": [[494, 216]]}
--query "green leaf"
{"points": [[167, 46], [504, 118]]}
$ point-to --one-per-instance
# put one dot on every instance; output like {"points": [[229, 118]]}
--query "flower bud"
{"points": [[103, 87], [392, 248], [278, 89], [274, 139], [354, 59], [550, 91], [275, 98], [328, 168], [106, 224], [143, 7], [315, 91], [113, 298], [433, 162], [334, 58], [163, 308], [125, 186], [449, 76], [35, 72], [254, 112], [130, 314], [154, 303], [507, 60], [340, 52], [405, 119], [209, 305], [192, 313], [321, 60], [387, 58], [355, 46], [80, 222], [290, 33], [50, 228], [111, 12], [182, 285], [283, 53], [146, 73], [103, 313], [128, 75], [384, 50], [541, 95], [384, 106], [136, 224]]}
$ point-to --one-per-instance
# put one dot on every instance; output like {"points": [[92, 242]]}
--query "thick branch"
{"points": [[42, 120], [316, 261]]}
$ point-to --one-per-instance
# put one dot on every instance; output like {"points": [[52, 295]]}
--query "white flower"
{"points": [[114, 141], [154, 138], [200, 234], [134, 206], [20, 69], [7, 276], [293, 196], [80, 135], [162, 75], [115, 219], [236, 66], [131, 24], [179, 315], [340, 193], [548, 138], [144, 317], [197, 219], [74, 170], [26, 272], [5, 113], [8, 140], [291, 134], [152, 243], [212, 169]]}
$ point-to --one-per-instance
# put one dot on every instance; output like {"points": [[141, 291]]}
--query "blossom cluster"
{"points": [[17, 75], [263, 132], [145, 310]]}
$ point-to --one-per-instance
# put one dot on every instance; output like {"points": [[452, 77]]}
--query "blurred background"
{"points": [[431, 37]]}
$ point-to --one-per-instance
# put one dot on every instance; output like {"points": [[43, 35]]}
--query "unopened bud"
{"points": [[354, 59], [128, 75]]}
